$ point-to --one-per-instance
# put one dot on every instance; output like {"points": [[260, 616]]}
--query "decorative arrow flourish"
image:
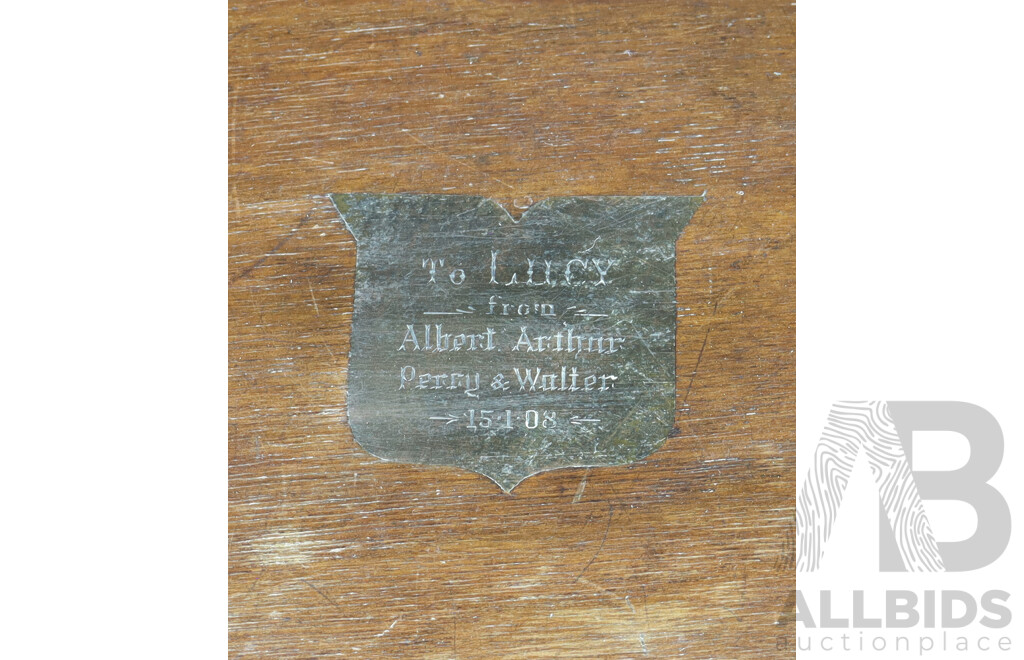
{"points": [[455, 313]]}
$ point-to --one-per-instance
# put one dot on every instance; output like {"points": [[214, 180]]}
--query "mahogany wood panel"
{"points": [[334, 553]]}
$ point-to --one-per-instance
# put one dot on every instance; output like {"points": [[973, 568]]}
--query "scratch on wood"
{"points": [[579, 489], [386, 630], [608, 527], [700, 356], [322, 594], [455, 160], [277, 248], [316, 307]]}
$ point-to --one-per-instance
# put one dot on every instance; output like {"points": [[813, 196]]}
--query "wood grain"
{"points": [[334, 553]]}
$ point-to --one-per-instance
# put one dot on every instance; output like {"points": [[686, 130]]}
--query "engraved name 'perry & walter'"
{"points": [[513, 346]]}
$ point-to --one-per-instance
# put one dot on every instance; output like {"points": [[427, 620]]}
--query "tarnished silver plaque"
{"points": [[513, 346]]}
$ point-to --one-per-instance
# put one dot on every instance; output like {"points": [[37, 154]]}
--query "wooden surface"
{"points": [[334, 553]]}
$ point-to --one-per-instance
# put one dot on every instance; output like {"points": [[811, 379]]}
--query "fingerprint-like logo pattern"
{"points": [[854, 426]]}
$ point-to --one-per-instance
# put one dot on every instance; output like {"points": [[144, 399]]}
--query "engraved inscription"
{"points": [[541, 337], [512, 347]]}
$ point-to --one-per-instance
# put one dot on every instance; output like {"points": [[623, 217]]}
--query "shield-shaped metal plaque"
{"points": [[513, 346]]}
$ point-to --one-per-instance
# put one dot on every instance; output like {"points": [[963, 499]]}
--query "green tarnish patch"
{"points": [[510, 347]]}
